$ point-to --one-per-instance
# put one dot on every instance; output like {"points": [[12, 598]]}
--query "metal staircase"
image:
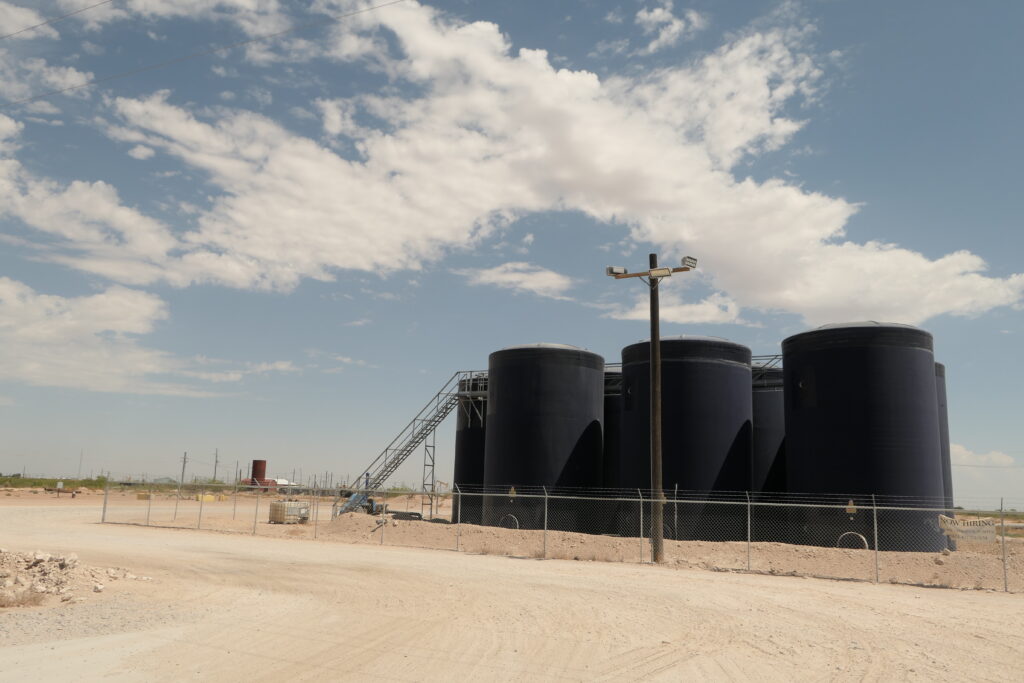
{"points": [[408, 440], [420, 431]]}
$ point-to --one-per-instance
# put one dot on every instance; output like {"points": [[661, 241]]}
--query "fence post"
{"points": [[256, 515], [234, 502], [874, 516], [458, 516], [383, 519], [106, 494], [545, 552], [316, 512], [1002, 523], [149, 507], [202, 497], [675, 512], [640, 493], [748, 530]]}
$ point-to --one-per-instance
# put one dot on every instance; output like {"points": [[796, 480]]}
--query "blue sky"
{"points": [[283, 249]]}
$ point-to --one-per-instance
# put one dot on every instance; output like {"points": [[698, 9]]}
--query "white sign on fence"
{"points": [[969, 530]]}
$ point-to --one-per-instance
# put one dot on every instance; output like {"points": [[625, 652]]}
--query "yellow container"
{"points": [[141, 496], [206, 497]]}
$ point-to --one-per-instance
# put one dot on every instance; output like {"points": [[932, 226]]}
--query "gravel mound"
{"points": [[31, 579]]}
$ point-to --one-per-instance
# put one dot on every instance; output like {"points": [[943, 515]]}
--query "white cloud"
{"points": [[87, 225], [14, 18], [92, 343], [716, 308], [491, 135], [521, 277], [9, 132], [254, 17], [6, 402], [22, 77], [361, 322], [141, 152], [977, 477], [238, 374], [87, 342], [667, 28], [961, 455], [609, 48]]}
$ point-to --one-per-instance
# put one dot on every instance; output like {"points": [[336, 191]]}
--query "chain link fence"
{"points": [[861, 538]]}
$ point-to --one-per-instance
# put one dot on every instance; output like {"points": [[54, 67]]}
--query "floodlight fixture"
{"points": [[689, 262], [660, 272], [615, 270]]}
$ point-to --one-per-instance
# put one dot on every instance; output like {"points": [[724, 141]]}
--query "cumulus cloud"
{"points": [[238, 374], [22, 77], [141, 152], [716, 308], [961, 455], [666, 28], [87, 225], [14, 18], [93, 343], [87, 342], [979, 476], [521, 277], [254, 17], [483, 135]]}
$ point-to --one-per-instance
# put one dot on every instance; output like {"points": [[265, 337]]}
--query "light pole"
{"points": [[652, 278]]}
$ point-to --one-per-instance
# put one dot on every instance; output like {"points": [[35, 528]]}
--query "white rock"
{"points": [[98, 588]]}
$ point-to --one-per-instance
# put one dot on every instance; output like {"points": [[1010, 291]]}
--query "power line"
{"points": [[56, 19], [194, 55]]}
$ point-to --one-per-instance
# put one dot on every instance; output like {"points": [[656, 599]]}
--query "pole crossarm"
{"points": [[647, 273]]}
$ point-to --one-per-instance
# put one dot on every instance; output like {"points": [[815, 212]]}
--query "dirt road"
{"points": [[235, 607]]}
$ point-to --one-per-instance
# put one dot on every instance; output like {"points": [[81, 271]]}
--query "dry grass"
{"points": [[22, 598]]}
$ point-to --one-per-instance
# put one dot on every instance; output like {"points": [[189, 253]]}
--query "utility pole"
{"points": [[652, 278], [81, 454], [216, 456], [658, 508]]}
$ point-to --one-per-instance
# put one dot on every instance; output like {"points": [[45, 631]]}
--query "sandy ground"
{"points": [[241, 607], [972, 567]]}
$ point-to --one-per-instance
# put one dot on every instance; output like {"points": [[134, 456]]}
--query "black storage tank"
{"points": [[470, 428], [706, 422], [768, 464], [612, 424], [947, 468], [544, 411], [768, 521], [605, 512], [862, 418]]}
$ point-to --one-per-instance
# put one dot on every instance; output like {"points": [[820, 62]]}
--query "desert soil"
{"points": [[281, 605]]}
